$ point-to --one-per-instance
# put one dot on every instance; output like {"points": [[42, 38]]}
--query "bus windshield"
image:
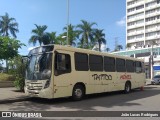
{"points": [[39, 67]]}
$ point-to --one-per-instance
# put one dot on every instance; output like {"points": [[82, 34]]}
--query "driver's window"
{"points": [[62, 63]]}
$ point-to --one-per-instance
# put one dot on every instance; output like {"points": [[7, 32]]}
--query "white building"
{"points": [[143, 23]]}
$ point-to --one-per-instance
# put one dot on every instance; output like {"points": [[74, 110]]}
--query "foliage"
{"points": [[7, 25], [99, 37], [19, 83], [17, 68], [72, 34], [86, 32], [107, 49], [6, 77], [52, 38], [118, 47], [39, 35], [9, 47]]}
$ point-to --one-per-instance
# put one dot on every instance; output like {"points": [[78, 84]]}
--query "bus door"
{"points": [[62, 74]]}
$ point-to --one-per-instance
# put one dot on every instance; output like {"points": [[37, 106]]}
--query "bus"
{"points": [[55, 71]]}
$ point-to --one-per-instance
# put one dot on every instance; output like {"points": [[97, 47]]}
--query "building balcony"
{"points": [[135, 19], [135, 26], [152, 14], [152, 29], [135, 4], [135, 33], [153, 37], [129, 0], [152, 22], [148, 1], [151, 7], [135, 40], [135, 12]]}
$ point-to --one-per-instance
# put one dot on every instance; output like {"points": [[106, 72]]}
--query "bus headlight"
{"points": [[47, 84]]}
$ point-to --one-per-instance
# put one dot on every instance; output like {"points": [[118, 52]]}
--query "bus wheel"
{"points": [[78, 92], [127, 88]]}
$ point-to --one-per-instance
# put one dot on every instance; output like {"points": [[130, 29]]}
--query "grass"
{"points": [[6, 77]]}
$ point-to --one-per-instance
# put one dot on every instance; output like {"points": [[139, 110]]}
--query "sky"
{"points": [[108, 14]]}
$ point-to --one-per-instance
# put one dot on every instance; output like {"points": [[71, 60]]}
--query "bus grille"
{"points": [[34, 86]]}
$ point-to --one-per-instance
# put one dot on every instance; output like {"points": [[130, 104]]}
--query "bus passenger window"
{"points": [[62, 64], [109, 64], [81, 61], [120, 65]]}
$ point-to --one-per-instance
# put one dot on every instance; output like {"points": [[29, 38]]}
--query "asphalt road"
{"points": [[147, 100]]}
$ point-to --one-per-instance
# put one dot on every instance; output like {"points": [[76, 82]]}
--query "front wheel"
{"points": [[127, 88], [78, 92]]}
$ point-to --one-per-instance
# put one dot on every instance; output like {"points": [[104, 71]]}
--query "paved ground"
{"points": [[147, 100]]}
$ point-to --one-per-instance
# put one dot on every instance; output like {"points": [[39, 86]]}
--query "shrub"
{"points": [[6, 77], [19, 83]]}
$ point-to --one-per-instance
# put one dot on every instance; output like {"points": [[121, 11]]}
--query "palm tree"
{"points": [[52, 37], [119, 47], [107, 49], [86, 32], [61, 39], [7, 25], [99, 37], [39, 35], [72, 34]]}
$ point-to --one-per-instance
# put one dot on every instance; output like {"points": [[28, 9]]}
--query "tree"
{"points": [[118, 47], [72, 34], [99, 37], [39, 35], [107, 49], [61, 40], [86, 32], [7, 25], [52, 37], [9, 47]]}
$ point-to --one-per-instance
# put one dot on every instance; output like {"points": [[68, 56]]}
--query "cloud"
{"points": [[122, 22]]}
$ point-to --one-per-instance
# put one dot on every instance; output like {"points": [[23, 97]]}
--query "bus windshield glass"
{"points": [[39, 67]]}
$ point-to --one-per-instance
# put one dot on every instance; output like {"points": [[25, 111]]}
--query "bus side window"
{"points": [[138, 67], [62, 64]]}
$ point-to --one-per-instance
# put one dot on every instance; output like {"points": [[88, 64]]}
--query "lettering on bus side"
{"points": [[125, 77], [102, 77]]}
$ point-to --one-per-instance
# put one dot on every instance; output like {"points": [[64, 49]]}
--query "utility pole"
{"points": [[67, 20]]}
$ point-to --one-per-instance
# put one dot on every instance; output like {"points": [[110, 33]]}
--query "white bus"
{"points": [[55, 71]]}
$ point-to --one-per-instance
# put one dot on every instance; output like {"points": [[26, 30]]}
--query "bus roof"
{"points": [[87, 51]]}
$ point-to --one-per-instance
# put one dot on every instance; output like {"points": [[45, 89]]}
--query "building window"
{"points": [[139, 7]]}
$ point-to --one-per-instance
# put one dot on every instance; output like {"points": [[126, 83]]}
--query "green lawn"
{"points": [[6, 77]]}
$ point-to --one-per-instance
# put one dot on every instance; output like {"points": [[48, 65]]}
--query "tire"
{"points": [[78, 92], [127, 88]]}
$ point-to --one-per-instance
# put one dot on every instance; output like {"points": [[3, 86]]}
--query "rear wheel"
{"points": [[78, 92], [127, 88]]}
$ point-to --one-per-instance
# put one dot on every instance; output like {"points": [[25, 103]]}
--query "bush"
{"points": [[19, 83], [6, 77]]}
